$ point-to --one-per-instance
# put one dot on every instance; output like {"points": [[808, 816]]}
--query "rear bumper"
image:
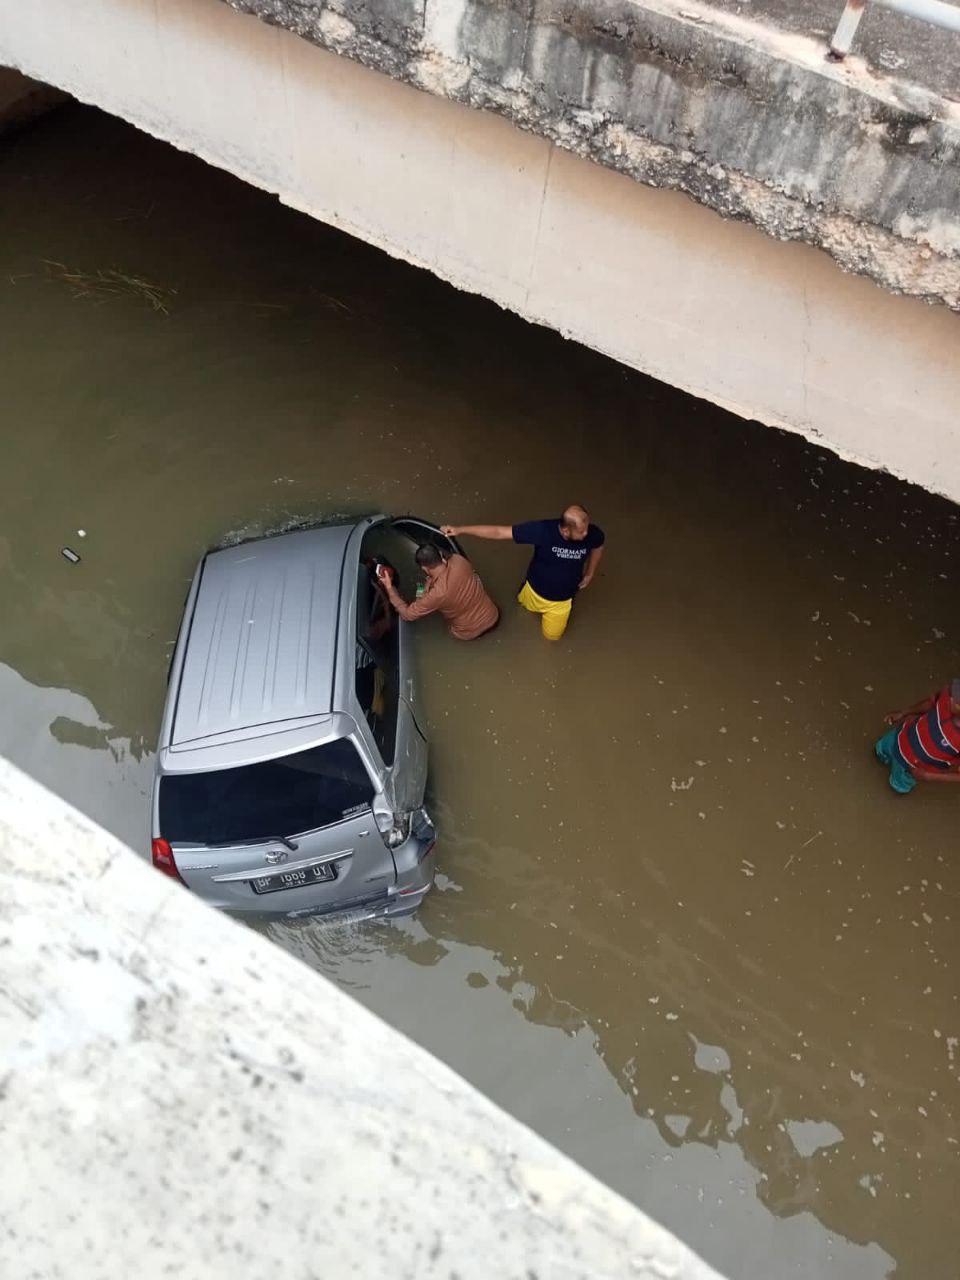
{"points": [[400, 901], [414, 883], [416, 867]]}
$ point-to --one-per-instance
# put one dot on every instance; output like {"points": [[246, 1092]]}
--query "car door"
{"points": [[388, 725], [411, 738], [396, 723]]}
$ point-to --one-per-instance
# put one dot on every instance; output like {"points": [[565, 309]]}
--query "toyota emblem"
{"points": [[273, 856]]}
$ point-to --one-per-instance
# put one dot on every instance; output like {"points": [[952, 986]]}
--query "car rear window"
{"points": [[279, 797]]}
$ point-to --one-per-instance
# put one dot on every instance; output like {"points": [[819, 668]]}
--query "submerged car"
{"points": [[292, 760]]}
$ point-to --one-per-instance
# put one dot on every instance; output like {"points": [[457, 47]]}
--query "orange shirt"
{"points": [[457, 593]]}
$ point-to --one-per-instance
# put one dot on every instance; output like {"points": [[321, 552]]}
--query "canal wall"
{"points": [[564, 225], [183, 1097], [746, 117]]}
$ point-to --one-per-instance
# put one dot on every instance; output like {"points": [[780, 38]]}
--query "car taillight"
{"points": [[399, 833], [163, 859]]}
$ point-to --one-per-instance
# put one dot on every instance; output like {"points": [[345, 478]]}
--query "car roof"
{"points": [[261, 645]]}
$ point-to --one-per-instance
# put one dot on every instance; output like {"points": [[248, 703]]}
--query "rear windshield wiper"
{"points": [[236, 844]]}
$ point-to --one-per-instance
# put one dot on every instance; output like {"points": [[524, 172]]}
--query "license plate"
{"points": [[295, 879]]}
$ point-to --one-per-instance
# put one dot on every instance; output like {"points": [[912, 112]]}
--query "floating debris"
{"points": [[110, 283]]}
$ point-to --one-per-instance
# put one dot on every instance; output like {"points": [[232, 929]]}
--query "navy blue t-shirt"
{"points": [[557, 565]]}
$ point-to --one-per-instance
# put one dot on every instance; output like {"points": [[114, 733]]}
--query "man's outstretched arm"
{"points": [[428, 603], [420, 608], [937, 775], [926, 704], [495, 531]]}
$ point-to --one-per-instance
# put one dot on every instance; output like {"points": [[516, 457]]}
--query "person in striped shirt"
{"points": [[924, 742]]}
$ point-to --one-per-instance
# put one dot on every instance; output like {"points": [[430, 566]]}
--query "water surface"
{"points": [[683, 928]]}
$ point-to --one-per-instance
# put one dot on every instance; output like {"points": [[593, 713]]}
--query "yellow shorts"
{"points": [[554, 614]]}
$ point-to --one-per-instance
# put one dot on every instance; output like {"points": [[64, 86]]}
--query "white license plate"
{"points": [[301, 879]]}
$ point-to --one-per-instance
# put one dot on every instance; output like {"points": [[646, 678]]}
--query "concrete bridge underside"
{"points": [[653, 277]]}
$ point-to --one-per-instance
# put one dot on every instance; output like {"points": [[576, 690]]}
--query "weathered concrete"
{"points": [[772, 331], [23, 100], [748, 120], [181, 1097]]}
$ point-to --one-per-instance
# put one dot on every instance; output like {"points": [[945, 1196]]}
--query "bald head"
{"points": [[575, 522]]}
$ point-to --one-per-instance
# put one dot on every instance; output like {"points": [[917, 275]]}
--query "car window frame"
{"points": [[364, 643]]}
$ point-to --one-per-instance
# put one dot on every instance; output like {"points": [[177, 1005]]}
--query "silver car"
{"points": [[291, 765]]}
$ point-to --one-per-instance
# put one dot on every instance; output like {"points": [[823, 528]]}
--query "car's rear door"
{"points": [[385, 687], [289, 834], [331, 869]]}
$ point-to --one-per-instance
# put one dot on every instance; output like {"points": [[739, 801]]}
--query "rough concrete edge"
{"points": [[899, 265], [164, 981]]}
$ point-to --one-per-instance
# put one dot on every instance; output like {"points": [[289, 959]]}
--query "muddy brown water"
{"points": [[682, 926]]}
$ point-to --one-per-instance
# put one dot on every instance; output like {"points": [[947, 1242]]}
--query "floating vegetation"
{"points": [[263, 308], [98, 285], [328, 300]]}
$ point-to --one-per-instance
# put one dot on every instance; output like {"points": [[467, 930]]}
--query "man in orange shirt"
{"points": [[453, 590]]}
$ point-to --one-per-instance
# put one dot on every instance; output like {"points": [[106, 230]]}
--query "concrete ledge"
{"points": [[750, 121], [181, 1097], [23, 100]]}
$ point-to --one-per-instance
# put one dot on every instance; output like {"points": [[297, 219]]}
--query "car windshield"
{"points": [[279, 797]]}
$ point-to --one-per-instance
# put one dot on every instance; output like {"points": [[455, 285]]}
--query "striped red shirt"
{"points": [[931, 740]]}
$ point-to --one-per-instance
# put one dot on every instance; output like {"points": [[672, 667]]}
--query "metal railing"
{"points": [[935, 11]]}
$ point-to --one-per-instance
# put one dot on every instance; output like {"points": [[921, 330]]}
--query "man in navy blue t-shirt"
{"points": [[566, 553]]}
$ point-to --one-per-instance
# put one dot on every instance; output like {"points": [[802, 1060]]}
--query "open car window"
{"points": [[377, 678], [423, 532]]}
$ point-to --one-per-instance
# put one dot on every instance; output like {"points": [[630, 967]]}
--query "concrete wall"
{"points": [[750, 119], [181, 1097], [772, 331]]}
